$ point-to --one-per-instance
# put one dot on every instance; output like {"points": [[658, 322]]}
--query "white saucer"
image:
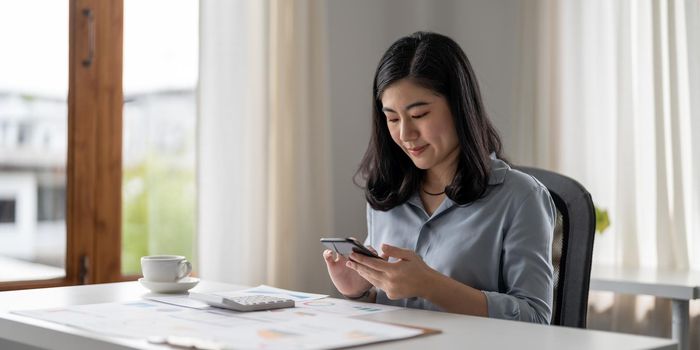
{"points": [[180, 286]]}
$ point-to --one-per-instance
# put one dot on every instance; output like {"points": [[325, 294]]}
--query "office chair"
{"points": [[572, 247]]}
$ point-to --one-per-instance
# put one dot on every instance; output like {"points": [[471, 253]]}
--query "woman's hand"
{"points": [[346, 280], [408, 277]]}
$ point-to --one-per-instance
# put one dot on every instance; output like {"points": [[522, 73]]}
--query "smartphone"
{"points": [[345, 246]]}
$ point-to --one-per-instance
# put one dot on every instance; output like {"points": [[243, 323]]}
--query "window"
{"points": [[160, 82], [33, 138], [79, 204], [60, 142]]}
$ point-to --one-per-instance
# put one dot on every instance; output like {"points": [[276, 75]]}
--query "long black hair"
{"points": [[437, 63]]}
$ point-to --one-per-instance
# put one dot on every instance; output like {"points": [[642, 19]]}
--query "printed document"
{"points": [[294, 328]]}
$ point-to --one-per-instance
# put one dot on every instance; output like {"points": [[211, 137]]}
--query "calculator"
{"points": [[243, 302]]}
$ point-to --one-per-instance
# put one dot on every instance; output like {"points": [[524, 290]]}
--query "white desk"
{"points": [[457, 330], [680, 287]]}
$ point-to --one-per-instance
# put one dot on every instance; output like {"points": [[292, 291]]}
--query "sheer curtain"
{"points": [[264, 174], [611, 88]]}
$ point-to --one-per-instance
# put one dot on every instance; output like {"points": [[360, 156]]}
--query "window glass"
{"points": [[160, 82], [33, 138]]}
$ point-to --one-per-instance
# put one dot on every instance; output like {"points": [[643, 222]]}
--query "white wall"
{"points": [[360, 30]]}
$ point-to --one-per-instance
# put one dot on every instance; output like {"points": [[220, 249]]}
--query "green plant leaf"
{"points": [[602, 220]]}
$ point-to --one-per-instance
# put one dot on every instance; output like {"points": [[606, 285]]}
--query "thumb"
{"points": [[396, 252], [328, 254]]}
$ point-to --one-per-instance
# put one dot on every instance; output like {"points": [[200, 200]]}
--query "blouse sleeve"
{"points": [[526, 268]]}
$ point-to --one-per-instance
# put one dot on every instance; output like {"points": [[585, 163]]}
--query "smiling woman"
{"points": [[425, 131], [459, 230]]}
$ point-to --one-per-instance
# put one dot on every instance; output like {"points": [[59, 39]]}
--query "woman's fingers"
{"points": [[400, 279], [374, 263], [371, 275], [371, 279], [328, 255], [333, 258], [382, 255], [396, 252], [360, 268]]}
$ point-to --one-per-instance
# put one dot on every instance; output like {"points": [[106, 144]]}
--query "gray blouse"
{"points": [[500, 244]]}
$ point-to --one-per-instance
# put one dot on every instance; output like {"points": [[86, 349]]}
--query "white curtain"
{"points": [[264, 174], [611, 88]]}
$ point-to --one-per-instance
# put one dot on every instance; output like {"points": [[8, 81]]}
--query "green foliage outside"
{"points": [[602, 221], [158, 212]]}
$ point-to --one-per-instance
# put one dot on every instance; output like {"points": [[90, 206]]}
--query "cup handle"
{"points": [[185, 269]]}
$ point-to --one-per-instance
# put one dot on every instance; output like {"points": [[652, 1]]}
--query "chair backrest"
{"points": [[572, 248]]}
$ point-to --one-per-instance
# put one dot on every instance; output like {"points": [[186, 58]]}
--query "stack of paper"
{"points": [[316, 322]]}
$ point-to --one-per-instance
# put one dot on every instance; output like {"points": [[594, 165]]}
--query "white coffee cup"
{"points": [[165, 268]]}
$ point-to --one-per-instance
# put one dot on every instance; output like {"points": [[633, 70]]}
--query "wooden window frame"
{"points": [[94, 167]]}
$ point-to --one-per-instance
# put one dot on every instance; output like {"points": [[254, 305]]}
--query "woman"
{"points": [[460, 231]]}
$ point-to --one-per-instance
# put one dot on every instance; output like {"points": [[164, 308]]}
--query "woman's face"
{"points": [[421, 123]]}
